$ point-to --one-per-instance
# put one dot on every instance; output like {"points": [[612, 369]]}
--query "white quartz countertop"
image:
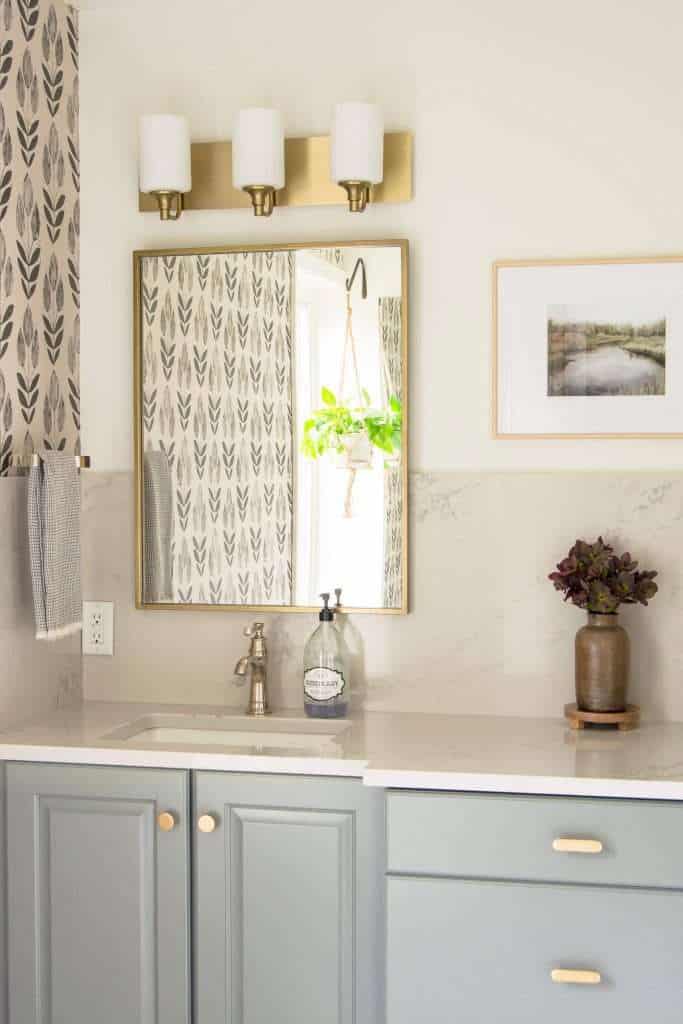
{"points": [[399, 750]]}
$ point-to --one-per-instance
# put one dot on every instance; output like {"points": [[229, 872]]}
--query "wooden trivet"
{"points": [[622, 720]]}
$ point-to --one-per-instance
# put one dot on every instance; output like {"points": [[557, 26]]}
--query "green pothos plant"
{"points": [[330, 427]]}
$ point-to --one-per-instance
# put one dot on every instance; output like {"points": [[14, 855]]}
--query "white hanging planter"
{"points": [[357, 452]]}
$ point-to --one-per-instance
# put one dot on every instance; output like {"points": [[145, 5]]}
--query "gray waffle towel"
{"points": [[54, 534], [158, 528]]}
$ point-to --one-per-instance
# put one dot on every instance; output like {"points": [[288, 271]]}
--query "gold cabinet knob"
{"points": [[561, 976], [569, 844], [206, 823], [166, 821]]}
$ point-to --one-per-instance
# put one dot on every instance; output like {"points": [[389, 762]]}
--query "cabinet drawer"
{"points": [[475, 836], [478, 952]]}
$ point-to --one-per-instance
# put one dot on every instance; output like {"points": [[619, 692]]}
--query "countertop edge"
{"points": [[184, 760], [532, 785], [382, 778]]}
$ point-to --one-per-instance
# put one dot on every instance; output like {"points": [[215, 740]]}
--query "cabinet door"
{"points": [[288, 903], [98, 895], [476, 952]]}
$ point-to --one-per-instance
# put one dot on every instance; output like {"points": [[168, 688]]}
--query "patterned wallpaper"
{"points": [[39, 228], [391, 340], [217, 346]]}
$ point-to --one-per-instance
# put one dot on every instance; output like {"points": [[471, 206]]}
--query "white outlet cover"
{"points": [[98, 628]]}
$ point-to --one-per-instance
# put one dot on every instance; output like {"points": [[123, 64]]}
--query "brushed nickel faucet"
{"points": [[256, 660]]}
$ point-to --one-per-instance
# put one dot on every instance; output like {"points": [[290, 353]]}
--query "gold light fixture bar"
{"points": [[307, 169]]}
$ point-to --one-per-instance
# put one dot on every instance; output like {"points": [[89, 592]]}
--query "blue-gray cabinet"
{"points": [[98, 895], [146, 896], [288, 911], [115, 874], [519, 909]]}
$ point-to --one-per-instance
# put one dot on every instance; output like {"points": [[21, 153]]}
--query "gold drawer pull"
{"points": [[564, 977], [206, 823], [166, 821], [566, 844]]}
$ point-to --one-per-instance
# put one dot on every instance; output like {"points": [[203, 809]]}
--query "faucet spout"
{"points": [[242, 666]]}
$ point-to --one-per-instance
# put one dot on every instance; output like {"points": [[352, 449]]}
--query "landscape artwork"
{"points": [[606, 349]]}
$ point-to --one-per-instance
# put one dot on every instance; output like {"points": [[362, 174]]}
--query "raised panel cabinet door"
{"points": [[466, 952], [98, 895], [287, 900]]}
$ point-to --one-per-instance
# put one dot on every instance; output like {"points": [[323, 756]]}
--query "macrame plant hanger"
{"points": [[349, 340], [350, 352]]}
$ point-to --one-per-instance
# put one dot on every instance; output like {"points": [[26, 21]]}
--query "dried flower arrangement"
{"points": [[594, 578]]}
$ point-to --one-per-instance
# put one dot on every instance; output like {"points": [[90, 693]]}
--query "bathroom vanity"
{"points": [[166, 882]]}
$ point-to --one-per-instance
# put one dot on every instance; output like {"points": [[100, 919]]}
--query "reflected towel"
{"points": [[54, 534], [158, 528]]}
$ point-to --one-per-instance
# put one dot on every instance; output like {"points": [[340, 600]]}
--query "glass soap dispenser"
{"points": [[326, 679]]}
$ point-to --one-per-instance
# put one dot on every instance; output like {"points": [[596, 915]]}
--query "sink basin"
{"points": [[234, 732]]}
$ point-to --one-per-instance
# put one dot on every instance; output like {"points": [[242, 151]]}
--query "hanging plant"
{"points": [[350, 430]]}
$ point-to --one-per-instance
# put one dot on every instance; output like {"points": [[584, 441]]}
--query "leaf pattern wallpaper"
{"points": [[390, 334], [39, 228], [217, 367]]}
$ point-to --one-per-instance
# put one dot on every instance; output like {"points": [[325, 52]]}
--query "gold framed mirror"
{"points": [[270, 395]]}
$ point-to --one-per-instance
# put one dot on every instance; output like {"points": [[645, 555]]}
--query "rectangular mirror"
{"points": [[270, 426]]}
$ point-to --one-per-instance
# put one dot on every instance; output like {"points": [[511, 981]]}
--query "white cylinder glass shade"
{"points": [[357, 147], [258, 148], [165, 162]]}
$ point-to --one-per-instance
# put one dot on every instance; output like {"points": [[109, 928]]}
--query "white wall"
{"points": [[541, 130]]}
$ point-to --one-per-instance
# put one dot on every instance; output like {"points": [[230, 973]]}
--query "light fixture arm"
{"points": [[358, 194], [171, 204], [262, 199]]}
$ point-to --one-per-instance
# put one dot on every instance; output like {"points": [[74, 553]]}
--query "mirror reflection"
{"points": [[271, 455]]}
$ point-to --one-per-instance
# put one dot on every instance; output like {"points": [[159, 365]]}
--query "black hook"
{"points": [[364, 278]]}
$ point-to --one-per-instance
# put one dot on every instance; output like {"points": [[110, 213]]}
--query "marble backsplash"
{"points": [[487, 634], [35, 675]]}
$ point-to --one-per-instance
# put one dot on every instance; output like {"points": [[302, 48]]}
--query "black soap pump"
{"points": [[326, 681]]}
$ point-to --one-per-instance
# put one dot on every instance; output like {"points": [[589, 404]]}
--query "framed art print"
{"points": [[588, 348]]}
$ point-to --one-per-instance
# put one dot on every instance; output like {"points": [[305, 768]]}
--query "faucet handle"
{"points": [[257, 646], [255, 631]]}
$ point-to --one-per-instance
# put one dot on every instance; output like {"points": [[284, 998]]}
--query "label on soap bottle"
{"points": [[323, 683]]}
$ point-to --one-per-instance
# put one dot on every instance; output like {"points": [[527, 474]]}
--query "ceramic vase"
{"points": [[602, 664]]}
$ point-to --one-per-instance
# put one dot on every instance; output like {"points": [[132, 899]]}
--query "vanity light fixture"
{"points": [[260, 169], [357, 150], [165, 162], [258, 156]]}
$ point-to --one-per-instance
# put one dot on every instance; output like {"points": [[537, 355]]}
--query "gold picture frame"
{"points": [[567, 262], [138, 256]]}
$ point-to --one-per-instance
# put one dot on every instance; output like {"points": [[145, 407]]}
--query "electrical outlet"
{"points": [[98, 627]]}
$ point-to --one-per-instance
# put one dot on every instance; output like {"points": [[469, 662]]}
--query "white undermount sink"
{"points": [[235, 732]]}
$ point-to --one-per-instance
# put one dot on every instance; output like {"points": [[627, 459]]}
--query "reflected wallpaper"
{"points": [[217, 342]]}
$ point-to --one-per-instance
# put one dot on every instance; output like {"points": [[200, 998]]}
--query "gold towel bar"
{"points": [[26, 461]]}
